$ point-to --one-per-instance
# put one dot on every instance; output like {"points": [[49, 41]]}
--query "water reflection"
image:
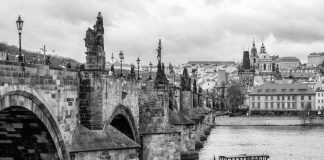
{"points": [[280, 142]]}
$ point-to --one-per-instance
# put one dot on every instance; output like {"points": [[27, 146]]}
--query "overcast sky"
{"points": [[189, 29]]}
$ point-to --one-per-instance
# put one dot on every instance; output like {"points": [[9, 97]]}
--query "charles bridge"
{"points": [[48, 112]]}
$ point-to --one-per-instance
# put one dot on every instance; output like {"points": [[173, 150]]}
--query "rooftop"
{"points": [[287, 59], [279, 89], [107, 139]]}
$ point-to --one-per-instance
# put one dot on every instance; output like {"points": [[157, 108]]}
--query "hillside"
{"points": [[35, 57]]}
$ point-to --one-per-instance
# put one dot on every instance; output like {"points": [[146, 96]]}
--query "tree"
{"points": [[185, 81], [235, 97]]}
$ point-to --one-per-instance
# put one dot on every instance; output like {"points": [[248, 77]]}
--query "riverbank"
{"points": [[268, 121]]}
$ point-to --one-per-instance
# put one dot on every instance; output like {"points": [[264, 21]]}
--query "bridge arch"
{"points": [[123, 120], [28, 100]]}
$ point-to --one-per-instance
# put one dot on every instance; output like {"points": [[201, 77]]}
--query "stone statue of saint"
{"points": [[159, 49], [90, 39]]}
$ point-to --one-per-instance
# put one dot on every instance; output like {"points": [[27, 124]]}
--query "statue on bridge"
{"points": [[94, 41], [160, 75]]}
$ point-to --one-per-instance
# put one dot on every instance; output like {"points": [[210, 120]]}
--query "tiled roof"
{"points": [[287, 59], [319, 89], [177, 118], [107, 139], [298, 74], [279, 89]]}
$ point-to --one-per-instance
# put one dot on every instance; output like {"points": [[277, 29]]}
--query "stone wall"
{"points": [[129, 154], [56, 87], [105, 93], [185, 100], [161, 146], [266, 121]]}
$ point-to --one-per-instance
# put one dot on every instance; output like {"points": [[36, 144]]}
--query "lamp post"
{"points": [[151, 65], [138, 63], [19, 24], [121, 57]]}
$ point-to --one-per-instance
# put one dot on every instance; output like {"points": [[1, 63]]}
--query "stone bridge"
{"points": [[48, 112]]}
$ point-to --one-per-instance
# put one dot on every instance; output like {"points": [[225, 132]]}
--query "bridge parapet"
{"points": [[100, 94]]}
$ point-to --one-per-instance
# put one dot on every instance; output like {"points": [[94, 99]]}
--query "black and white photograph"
{"points": [[161, 79]]}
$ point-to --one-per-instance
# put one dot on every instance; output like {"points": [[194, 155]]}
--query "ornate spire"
{"points": [[262, 49], [253, 43]]}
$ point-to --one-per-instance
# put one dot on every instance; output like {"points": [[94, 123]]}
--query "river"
{"points": [[280, 142]]}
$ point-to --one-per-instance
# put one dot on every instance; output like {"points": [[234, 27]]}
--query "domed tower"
{"points": [[254, 56]]}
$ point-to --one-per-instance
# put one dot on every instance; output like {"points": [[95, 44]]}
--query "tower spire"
{"points": [[262, 49]]}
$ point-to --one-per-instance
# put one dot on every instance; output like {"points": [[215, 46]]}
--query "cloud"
{"points": [[189, 29]]}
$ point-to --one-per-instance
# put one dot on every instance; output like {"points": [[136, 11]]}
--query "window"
{"points": [[293, 97], [302, 105], [293, 105], [253, 105], [266, 105], [278, 105], [319, 101], [283, 105], [258, 97], [318, 94], [271, 105], [322, 94], [264, 66], [322, 101], [309, 97], [302, 98], [288, 98], [288, 105], [259, 105], [266, 98], [252, 98], [271, 98], [278, 98], [283, 98]]}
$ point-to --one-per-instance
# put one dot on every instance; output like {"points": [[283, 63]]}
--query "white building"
{"points": [[319, 98], [287, 63], [314, 59], [281, 98], [265, 61]]}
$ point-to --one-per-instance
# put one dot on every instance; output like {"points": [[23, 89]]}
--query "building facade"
{"points": [[287, 63], [319, 99], [265, 61], [280, 99], [314, 59]]}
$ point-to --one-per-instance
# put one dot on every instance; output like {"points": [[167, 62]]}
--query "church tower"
{"points": [[254, 56], [262, 49], [94, 41]]}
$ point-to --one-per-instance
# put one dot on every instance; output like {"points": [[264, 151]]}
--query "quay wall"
{"points": [[267, 121]]}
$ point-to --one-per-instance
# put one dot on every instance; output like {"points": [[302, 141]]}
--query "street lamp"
{"points": [[138, 63], [19, 24], [151, 65], [121, 57]]}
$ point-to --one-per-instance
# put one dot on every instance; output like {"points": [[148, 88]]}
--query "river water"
{"points": [[280, 142]]}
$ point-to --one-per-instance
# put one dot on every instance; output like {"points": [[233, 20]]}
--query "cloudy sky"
{"points": [[189, 29]]}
